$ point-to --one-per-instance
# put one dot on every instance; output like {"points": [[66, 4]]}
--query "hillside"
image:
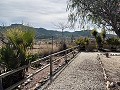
{"points": [[42, 33]]}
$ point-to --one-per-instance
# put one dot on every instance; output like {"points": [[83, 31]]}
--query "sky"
{"points": [[37, 13]]}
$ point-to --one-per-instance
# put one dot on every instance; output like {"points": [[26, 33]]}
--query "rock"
{"points": [[37, 85], [29, 80], [108, 84], [118, 83], [19, 86], [112, 85]]}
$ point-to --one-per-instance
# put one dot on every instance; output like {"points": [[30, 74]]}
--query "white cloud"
{"points": [[39, 13]]}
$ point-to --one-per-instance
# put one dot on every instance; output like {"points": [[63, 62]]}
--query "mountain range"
{"points": [[42, 33]]}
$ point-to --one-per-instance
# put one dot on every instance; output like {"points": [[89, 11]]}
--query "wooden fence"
{"points": [[73, 51]]}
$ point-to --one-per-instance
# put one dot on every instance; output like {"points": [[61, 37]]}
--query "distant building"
{"points": [[16, 25]]}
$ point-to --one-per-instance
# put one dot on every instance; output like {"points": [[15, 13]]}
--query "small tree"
{"points": [[62, 26]]}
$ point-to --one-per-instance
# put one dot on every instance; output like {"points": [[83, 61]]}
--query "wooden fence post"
{"points": [[66, 57], [73, 52], [50, 66], [1, 87]]}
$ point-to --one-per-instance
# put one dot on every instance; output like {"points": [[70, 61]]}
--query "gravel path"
{"points": [[83, 73]]}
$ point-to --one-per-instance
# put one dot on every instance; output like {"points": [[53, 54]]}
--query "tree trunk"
{"points": [[118, 33], [117, 30]]}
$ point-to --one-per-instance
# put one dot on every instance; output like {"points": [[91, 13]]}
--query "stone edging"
{"points": [[109, 84]]}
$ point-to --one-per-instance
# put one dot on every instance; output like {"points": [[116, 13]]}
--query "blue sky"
{"points": [[37, 13]]}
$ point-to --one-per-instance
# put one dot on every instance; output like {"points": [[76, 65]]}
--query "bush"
{"points": [[113, 42], [13, 53], [82, 42]]}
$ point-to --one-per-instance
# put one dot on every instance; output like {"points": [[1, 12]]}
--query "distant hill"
{"points": [[42, 33]]}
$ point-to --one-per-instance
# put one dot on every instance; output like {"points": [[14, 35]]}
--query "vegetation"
{"points": [[82, 42], [98, 37], [94, 33], [13, 54], [114, 42], [99, 42], [103, 34], [42, 33], [101, 12]]}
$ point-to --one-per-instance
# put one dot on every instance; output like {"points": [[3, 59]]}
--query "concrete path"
{"points": [[83, 73]]}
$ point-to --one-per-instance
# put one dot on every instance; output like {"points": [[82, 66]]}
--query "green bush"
{"points": [[114, 42], [14, 53], [82, 41]]}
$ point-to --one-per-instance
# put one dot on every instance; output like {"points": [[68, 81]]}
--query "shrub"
{"points": [[113, 42], [82, 42], [13, 53]]}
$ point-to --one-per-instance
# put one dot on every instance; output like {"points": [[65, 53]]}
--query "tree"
{"points": [[101, 12], [62, 26]]}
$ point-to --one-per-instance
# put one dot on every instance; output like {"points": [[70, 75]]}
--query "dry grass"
{"points": [[43, 49]]}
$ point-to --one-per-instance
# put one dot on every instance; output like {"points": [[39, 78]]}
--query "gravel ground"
{"points": [[83, 73], [112, 67]]}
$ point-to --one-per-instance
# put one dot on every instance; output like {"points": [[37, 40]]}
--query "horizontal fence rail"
{"points": [[66, 52]]}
